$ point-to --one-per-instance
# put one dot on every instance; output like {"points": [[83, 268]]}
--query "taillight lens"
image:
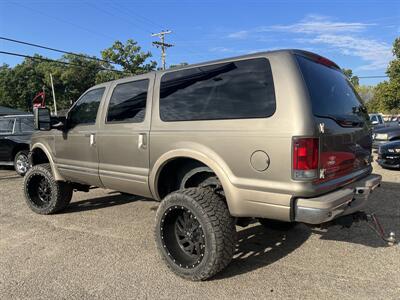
{"points": [[305, 158]]}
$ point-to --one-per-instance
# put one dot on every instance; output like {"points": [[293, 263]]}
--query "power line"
{"points": [[55, 50], [107, 12], [63, 20], [53, 60], [378, 76], [125, 10]]}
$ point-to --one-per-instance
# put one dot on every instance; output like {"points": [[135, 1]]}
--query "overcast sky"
{"points": [[355, 34]]}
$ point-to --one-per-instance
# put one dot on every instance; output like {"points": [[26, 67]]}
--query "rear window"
{"points": [[232, 90], [332, 95]]}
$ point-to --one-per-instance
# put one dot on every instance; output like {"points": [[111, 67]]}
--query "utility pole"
{"points": [[54, 95], [161, 44]]}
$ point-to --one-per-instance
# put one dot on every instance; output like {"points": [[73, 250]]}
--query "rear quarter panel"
{"points": [[227, 145]]}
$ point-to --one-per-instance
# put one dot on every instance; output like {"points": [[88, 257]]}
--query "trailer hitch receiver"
{"points": [[372, 222]]}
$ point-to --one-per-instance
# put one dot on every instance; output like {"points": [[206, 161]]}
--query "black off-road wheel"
{"points": [[43, 194], [21, 162], [195, 234], [277, 225]]}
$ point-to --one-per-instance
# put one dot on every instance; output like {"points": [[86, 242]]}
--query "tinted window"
{"points": [[6, 126], [332, 95], [233, 90], [128, 102], [27, 124], [85, 110]]}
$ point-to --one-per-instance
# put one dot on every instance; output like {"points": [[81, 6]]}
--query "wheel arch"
{"points": [[39, 149], [19, 147], [208, 161]]}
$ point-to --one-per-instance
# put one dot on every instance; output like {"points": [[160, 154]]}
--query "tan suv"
{"points": [[280, 136]]}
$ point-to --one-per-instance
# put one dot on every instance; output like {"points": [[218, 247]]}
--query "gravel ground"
{"points": [[102, 247]]}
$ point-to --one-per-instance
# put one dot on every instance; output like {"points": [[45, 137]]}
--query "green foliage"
{"points": [[387, 93], [366, 92], [21, 83], [182, 64], [353, 79], [130, 56]]}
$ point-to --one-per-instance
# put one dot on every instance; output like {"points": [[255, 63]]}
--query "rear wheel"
{"points": [[277, 225], [21, 162], [43, 194], [195, 233]]}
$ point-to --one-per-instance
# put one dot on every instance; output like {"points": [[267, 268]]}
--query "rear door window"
{"points": [[7, 126], [27, 125], [128, 102], [231, 90], [332, 95]]}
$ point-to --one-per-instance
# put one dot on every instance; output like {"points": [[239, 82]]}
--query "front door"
{"points": [[123, 136], [76, 149], [7, 128]]}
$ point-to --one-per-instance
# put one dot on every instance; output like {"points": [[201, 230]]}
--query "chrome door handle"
{"points": [[92, 139], [142, 141]]}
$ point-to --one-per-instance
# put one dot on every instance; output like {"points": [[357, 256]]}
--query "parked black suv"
{"points": [[15, 136], [384, 135], [389, 155]]}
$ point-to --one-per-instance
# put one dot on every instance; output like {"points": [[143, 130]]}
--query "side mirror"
{"points": [[374, 122], [42, 119]]}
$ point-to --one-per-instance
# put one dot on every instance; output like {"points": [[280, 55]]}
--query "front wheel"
{"points": [[21, 162], [195, 233], [43, 194]]}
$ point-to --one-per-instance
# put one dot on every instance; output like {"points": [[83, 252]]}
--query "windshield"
{"points": [[6, 126], [332, 95]]}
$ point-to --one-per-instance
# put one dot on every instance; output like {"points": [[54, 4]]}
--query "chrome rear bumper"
{"points": [[342, 202]]}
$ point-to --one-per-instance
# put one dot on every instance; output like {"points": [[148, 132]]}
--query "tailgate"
{"points": [[343, 122], [343, 150]]}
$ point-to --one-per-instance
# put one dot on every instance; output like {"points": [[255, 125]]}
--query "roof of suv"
{"points": [[257, 54], [16, 116]]}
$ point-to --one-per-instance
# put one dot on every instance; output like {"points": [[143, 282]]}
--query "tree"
{"points": [[366, 92], [182, 64], [20, 84], [130, 56], [77, 78], [387, 93], [353, 79]]}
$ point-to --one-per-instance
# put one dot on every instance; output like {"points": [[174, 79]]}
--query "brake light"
{"points": [[326, 62], [322, 60], [305, 158]]}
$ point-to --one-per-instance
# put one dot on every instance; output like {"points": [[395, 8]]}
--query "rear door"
{"points": [[123, 137], [345, 135]]}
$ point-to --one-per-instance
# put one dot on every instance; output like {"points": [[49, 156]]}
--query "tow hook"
{"points": [[372, 222]]}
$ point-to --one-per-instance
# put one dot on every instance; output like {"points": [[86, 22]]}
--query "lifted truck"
{"points": [[280, 136]]}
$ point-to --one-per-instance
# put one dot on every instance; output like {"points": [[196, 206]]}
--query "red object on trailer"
{"points": [[40, 100]]}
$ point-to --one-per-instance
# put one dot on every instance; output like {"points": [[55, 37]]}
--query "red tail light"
{"points": [[305, 157]]}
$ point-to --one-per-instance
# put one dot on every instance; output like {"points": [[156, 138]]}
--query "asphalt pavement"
{"points": [[102, 247]]}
